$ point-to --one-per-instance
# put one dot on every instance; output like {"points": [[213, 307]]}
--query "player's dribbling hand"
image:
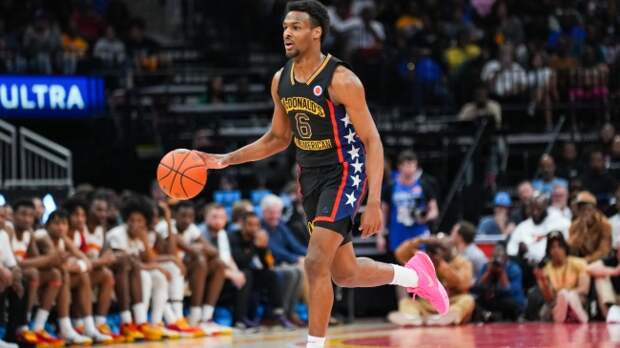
{"points": [[214, 161], [372, 219]]}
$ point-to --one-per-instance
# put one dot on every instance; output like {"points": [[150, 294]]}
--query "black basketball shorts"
{"points": [[332, 195]]}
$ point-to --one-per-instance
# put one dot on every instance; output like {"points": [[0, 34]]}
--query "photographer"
{"points": [[455, 273], [499, 289], [409, 204]]}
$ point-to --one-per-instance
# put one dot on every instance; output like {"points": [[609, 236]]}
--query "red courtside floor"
{"points": [[377, 334]]}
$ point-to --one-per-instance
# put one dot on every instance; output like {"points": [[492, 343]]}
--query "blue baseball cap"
{"points": [[502, 199]]}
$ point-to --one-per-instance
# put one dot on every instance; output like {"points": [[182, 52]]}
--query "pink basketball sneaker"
{"points": [[429, 287]]}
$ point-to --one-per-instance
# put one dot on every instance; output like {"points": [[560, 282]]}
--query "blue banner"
{"points": [[51, 96]]}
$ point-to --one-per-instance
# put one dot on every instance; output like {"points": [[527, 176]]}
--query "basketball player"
{"points": [[89, 239], [76, 277], [41, 272], [320, 105]]}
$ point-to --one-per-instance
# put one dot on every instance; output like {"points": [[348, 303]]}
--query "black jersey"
{"points": [[322, 132]]}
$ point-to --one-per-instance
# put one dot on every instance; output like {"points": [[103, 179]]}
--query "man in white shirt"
{"points": [[529, 239]]}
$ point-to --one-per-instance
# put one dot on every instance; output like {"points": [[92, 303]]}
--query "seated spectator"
{"points": [[559, 202], [456, 274], [598, 180], [463, 235], [563, 284], [499, 288], [238, 210], [612, 162], [295, 216], [251, 253], [464, 50], [606, 275], [525, 191], [590, 233], [288, 254], [140, 49], [614, 221], [505, 77], [548, 180], [41, 43], [74, 49], [541, 81], [482, 106], [589, 83], [529, 239], [569, 166], [109, 49], [499, 223]]}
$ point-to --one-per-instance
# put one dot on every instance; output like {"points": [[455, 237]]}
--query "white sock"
{"points": [[404, 277], [169, 315], [79, 322], [100, 320], [177, 306], [195, 313], [139, 313], [89, 326], [315, 342], [207, 312], [126, 317], [40, 319], [66, 330]]}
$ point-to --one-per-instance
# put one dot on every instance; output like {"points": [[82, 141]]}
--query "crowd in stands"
{"points": [[477, 57], [556, 252]]}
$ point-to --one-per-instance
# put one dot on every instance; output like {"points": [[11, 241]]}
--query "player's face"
{"points": [[24, 218], [58, 228], [408, 168], [272, 216], [251, 225], [77, 219], [99, 209], [185, 217], [135, 224], [557, 253], [216, 219], [299, 33]]}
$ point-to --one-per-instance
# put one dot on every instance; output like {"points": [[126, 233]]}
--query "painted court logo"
{"points": [[318, 90]]}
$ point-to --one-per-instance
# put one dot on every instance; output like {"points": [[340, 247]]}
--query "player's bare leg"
{"points": [[321, 252], [197, 279], [349, 271], [103, 278]]}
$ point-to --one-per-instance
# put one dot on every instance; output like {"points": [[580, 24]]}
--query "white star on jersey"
{"points": [[356, 180], [358, 166], [350, 136], [354, 152], [351, 199], [346, 120]]}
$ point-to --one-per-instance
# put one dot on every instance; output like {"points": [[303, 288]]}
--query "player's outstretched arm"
{"points": [[347, 89], [277, 139]]}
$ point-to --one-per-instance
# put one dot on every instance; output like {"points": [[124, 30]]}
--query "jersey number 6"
{"points": [[303, 125]]}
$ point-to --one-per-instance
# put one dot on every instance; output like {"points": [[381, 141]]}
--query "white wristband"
{"points": [[83, 266]]}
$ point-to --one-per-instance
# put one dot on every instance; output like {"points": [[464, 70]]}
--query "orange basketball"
{"points": [[182, 174]]}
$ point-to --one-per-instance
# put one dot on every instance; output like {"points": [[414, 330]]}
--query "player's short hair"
{"points": [[57, 214], [467, 231], [213, 206], [317, 12], [407, 156], [185, 205], [27, 203], [248, 215], [72, 204], [138, 204]]}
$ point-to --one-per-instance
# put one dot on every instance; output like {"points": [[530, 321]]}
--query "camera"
{"points": [[419, 214]]}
